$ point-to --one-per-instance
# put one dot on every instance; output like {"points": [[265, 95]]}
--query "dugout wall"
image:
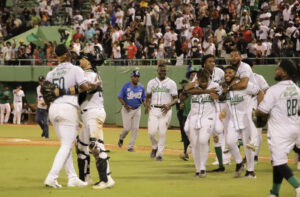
{"points": [[114, 77]]}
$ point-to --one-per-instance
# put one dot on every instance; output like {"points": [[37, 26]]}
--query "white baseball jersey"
{"points": [[282, 102], [261, 82], [66, 75], [240, 104], [162, 91], [204, 106], [217, 76], [18, 96], [94, 100], [245, 70], [40, 98]]}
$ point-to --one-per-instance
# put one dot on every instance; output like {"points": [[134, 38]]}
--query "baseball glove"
{"points": [[49, 91]]}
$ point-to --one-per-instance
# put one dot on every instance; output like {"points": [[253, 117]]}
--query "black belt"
{"points": [[157, 106], [133, 108]]}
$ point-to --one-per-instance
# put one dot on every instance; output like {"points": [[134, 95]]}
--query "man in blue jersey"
{"points": [[131, 96]]}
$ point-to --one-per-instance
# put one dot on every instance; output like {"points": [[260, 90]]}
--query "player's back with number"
{"points": [[66, 75], [284, 101]]}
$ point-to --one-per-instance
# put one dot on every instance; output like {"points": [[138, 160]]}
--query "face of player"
{"points": [[162, 72], [235, 58], [279, 72], [210, 64], [229, 75], [203, 83], [135, 80]]}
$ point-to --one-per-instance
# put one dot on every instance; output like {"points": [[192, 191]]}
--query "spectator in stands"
{"points": [[7, 52], [132, 50]]}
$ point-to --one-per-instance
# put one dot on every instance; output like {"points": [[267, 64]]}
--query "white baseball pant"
{"points": [[65, 121], [17, 112], [158, 121], [281, 143], [199, 140], [131, 121], [4, 108], [231, 140]]}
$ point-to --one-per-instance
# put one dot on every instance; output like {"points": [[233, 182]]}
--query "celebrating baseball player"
{"points": [[18, 104], [63, 115], [161, 96], [4, 105], [42, 111], [281, 108], [239, 107], [131, 96], [200, 122], [91, 136]]}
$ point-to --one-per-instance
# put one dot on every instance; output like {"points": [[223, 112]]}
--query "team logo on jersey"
{"points": [[132, 95], [162, 89], [290, 91], [60, 73], [200, 99], [236, 99]]}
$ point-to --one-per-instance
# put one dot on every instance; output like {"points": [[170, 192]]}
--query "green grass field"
{"points": [[24, 168]]}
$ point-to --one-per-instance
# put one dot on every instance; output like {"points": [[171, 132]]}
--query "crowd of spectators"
{"points": [[124, 30]]}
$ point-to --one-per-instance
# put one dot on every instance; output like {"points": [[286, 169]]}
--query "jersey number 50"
{"points": [[59, 82]]}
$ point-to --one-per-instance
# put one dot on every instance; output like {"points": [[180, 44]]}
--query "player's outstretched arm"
{"points": [[241, 85]]}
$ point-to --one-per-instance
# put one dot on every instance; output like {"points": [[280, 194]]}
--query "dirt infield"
{"points": [[34, 142]]}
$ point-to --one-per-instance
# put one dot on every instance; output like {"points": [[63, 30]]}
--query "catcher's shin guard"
{"points": [[83, 159]]}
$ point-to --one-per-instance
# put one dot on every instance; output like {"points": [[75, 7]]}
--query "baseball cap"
{"points": [[183, 81], [61, 49], [88, 57], [41, 78], [135, 73]]}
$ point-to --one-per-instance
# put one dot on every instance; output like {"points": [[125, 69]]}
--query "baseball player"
{"points": [[185, 104], [281, 108], [201, 120], [239, 106], [4, 105], [18, 104], [245, 74], [42, 111], [91, 136], [264, 86], [64, 117], [131, 96], [161, 96]]}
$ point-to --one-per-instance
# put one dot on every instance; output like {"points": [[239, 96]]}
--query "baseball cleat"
{"points": [[131, 150], [103, 185], [153, 153], [53, 184], [158, 158], [197, 174], [120, 143], [202, 174], [238, 170], [220, 169], [184, 156], [252, 147], [250, 174], [76, 182], [272, 195]]}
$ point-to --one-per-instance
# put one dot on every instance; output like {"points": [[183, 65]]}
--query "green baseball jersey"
{"points": [[187, 106], [298, 83], [4, 97]]}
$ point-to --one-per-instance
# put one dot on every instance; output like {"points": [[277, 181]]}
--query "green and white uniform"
{"points": [[4, 106]]}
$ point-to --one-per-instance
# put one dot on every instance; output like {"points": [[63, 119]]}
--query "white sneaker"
{"points": [[215, 163], [102, 185], [88, 179], [76, 182], [52, 183], [297, 192]]}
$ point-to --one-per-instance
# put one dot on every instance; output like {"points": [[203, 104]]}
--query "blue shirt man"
{"points": [[132, 94]]}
